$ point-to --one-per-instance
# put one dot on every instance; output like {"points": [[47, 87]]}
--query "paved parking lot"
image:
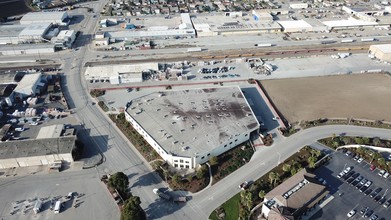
{"points": [[347, 197], [19, 193]]}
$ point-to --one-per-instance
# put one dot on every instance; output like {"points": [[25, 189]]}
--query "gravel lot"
{"points": [[366, 96]]}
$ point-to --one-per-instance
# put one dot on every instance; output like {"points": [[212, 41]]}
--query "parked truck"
{"points": [[263, 45], [161, 194]]}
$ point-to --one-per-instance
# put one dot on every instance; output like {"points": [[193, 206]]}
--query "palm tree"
{"points": [[272, 177], [311, 161], [286, 167], [261, 194], [381, 161]]}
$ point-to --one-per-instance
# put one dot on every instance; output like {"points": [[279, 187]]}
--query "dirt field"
{"points": [[365, 96]]}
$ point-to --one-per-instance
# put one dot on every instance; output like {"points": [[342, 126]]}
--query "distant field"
{"points": [[10, 8], [366, 96]]}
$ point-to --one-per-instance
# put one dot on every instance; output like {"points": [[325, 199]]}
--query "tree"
{"points": [[360, 150], [272, 177], [293, 171], [358, 140], [365, 140], [201, 172], [333, 136], [381, 161], [261, 194], [120, 182], [286, 167], [315, 153], [346, 140], [311, 161], [213, 161], [176, 178], [377, 141], [132, 209]]}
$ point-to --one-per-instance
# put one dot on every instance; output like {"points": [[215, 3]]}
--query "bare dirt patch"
{"points": [[364, 96]]}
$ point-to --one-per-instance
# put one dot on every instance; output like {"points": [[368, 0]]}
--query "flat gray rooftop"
{"points": [[31, 148], [187, 122]]}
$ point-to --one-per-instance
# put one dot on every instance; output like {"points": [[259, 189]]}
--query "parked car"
{"points": [[34, 123], [368, 184], [351, 213], [363, 210], [373, 217], [381, 172], [341, 174], [368, 213], [387, 204], [373, 167], [348, 153], [356, 157], [347, 169], [19, 129], [360, 160], [386, 175]]}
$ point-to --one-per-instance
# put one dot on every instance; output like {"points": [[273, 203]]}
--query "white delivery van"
{"points": [[57, 207]]}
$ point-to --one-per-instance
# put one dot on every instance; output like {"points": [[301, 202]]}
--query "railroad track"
{"points": [[270, 52]]}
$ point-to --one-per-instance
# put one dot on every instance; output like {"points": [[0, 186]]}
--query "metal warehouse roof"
{"points": [[31, 148], [36, 29], [385, 48], [194, 121], [41, 16]]}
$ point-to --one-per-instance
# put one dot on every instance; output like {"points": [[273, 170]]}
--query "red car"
{"points": [[373, 167]]}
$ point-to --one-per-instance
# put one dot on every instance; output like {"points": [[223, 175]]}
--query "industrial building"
{"points": [[19, 34], [29, 85], [295, 26], [173, 29], [24, 153], [219, 24], [52, 131], [64, 39], [381, 52], [34, 49], [294, 197], [117, 74], [55, 17], [188, 127]]}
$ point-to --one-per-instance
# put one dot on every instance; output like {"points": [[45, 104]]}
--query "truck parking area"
{"points": [[22, 194]]}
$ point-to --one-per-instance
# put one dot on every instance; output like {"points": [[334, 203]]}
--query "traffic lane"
{"points": [[346, 196]]}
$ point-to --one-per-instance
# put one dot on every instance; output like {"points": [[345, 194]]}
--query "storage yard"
{"points": [[356, 96]]}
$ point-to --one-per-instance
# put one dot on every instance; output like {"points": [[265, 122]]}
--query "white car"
{"points": [[381, 172], [34, 123], [347, 169], [386, 175], [368, 184], [360, 160], [19, 129], [351, 213], [341, 174]]}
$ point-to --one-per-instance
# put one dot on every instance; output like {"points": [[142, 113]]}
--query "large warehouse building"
{"points": [[188, 127], [16, 34], [117, 74], [55, 17], [25, 153], [381, 52]]}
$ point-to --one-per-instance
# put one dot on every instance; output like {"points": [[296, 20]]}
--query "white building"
{"points": [[56, 17], [33, 49], [381, 51], [26, 153], [298, 5], [188, 127], [183, 30], [64, 39], [117, 74], [28, 86], [295, 26]]}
